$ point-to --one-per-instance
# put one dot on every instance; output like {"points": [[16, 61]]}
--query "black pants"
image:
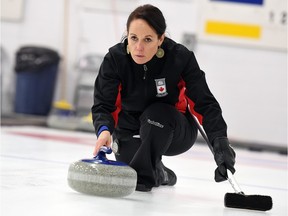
{"points": [[163, 131]]}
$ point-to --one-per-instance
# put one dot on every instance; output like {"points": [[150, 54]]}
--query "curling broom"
{"points": [[239, 199]]}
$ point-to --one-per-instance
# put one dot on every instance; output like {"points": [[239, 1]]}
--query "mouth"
{"points": [[140, 56]]}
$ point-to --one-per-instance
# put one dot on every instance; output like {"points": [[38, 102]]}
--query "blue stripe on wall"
{"points": [[256, 2]]}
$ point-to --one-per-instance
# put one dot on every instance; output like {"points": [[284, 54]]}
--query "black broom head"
{"points": [[252, 202]]}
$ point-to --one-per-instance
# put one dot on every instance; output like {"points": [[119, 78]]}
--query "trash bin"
{"points": [[36, 70]]}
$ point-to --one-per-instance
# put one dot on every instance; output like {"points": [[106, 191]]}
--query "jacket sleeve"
{"points": [[202, 100], [105, 95]]}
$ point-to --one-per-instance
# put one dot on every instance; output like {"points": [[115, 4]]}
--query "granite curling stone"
{"points": [[102, 177]]}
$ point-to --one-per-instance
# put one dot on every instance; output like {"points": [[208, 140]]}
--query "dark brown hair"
{"points": [[152, 15]]}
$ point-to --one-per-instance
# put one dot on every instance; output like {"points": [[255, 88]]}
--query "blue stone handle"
{"points": [[101, 158]]}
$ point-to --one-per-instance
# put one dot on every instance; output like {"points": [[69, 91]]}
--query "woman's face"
{"points": [[143, 41]]}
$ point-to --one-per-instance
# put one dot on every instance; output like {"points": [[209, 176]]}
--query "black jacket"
{"points": [[123, 89]]}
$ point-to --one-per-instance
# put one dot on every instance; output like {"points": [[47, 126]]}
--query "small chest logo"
{"points": [[161, 87]]}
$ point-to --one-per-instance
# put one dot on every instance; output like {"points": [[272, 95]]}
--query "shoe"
{"points": [[143, 188], [167, 176]]}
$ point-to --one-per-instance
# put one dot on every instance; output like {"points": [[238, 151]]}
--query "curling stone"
{"points": [[102, 177]]}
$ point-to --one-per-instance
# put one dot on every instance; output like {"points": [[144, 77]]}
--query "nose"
{"points": [[139, 46]]}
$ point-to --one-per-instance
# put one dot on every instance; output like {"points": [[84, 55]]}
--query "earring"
{"points": [[127, 50], [160, 53]]}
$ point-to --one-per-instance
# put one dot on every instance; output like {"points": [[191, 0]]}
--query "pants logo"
{"points": [[157, 124]]}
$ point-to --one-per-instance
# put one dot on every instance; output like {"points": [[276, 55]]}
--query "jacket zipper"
{"points": [[144, 78], [145, 71]]}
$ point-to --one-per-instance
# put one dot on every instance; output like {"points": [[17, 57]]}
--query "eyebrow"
{"points": [[145, 35]]}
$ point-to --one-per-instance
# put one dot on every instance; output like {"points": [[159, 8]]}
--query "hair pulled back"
{"points": [[152, 15]]}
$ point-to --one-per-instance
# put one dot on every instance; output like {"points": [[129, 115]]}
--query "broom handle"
{"points": [[230, 177]]}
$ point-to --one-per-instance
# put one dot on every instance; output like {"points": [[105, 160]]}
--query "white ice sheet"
{"points": [[35, 161]]}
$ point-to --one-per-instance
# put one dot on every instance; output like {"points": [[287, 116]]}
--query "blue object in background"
{"points": [[35, 81], [35, 90]]}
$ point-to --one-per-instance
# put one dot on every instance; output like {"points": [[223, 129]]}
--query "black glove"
{"points": [[224, 156]]}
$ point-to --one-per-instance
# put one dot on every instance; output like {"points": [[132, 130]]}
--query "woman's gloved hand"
{"points": [[224, 156]]}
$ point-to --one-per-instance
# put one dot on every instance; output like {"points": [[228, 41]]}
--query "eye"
{"points": [[148, 39], [133, 38]]}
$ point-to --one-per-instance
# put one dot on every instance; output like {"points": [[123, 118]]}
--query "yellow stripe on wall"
{"points": [[233, 29]]}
